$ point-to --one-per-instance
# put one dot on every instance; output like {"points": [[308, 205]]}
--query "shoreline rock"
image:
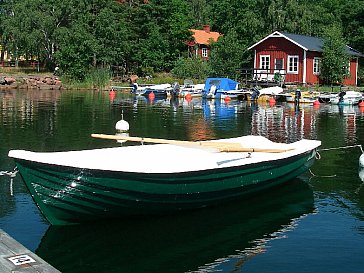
{"points": [[30, 82]]}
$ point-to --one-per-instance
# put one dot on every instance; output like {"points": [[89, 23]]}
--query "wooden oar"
{"points": [[220, 146]]}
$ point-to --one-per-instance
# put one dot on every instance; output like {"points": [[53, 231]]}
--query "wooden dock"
{"points": [[15, 258]]}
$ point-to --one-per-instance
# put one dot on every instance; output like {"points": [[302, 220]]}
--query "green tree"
{"points": [[95, 37], [141, 35], [152, 51], [227, 56], [161, 29], [352, 19], [199, 10], [30, 25], [334, 57], [277, 15], [4, 10]]}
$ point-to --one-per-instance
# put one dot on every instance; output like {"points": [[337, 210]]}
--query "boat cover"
{"points": [[221, 84]]}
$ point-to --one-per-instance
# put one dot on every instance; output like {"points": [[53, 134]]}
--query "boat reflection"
{"points": [[221, 109], [197, 240], [361, 176]]}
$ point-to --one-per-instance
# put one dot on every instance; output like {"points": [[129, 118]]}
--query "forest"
{"points": [[148, 36]]}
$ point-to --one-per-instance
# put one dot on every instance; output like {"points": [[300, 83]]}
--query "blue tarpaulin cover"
{"points": [[221, 83]]}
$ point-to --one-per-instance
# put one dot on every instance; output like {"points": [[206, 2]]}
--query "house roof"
{"points": [[203, 37], [307, 43]]}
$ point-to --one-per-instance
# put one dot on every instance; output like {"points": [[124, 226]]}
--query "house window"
{"points": [[204, 52], [316, 66], [346, 69], [265, 62], [278, 64], [292, 65]]}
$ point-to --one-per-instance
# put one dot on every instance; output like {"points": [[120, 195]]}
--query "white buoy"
{"points": [[122, 125], [361, 160], [122, 128]]}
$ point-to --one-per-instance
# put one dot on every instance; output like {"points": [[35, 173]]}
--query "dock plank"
{"points": [[16, 258]]}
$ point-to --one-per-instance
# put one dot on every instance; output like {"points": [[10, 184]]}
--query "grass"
{"points": [[23, 71], [99, 78]]}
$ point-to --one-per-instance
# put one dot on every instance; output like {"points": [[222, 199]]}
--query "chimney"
{"points": [[206, 28]]}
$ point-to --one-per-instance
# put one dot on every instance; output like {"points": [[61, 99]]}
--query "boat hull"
{"points": [[347, 101], [193, 94], [222, 95], [155, 92], [306, 97], [68, 195], [302, 100]]}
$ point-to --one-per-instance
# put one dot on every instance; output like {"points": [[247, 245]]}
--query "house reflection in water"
{"points": [[285, 123], [282, 123]]}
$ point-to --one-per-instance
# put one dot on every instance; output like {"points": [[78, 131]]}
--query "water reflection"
{"points": [[198, 240], [281, 122], [7, 200], [208, 240], [25, 106]]}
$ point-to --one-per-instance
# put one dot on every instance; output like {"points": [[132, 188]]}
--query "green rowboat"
{"points": [[77, 186]]}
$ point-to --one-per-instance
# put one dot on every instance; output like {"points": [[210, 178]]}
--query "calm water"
{"points": [[314, 223]]}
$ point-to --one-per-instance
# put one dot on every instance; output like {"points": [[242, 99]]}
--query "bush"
{"points": [[194, 68]]}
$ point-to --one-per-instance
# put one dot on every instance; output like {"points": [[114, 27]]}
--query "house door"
{"points": [[279, 73], [278, 64]]}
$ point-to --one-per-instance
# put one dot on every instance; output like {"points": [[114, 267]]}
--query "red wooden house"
{"points": [[296, 58], [200, 46]]}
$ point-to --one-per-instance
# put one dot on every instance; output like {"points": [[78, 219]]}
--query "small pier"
{"points": [[15, 258]]}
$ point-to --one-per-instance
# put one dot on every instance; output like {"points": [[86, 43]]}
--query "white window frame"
{"points": [[348, 68], [265, 62], [292, 64], [316, 65], [204, 52]]}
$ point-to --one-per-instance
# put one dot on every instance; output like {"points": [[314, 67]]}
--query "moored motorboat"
{"points": [[346, 98], [88, 185], [221, 88], [157, 90], [193, 90], [264, 94], [306, 96]]}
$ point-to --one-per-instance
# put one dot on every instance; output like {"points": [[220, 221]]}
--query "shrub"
{"points": [[194, 68]]}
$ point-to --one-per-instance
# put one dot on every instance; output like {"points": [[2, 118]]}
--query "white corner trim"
{"points": [[356, 71], [304, 72], [255, 59]]}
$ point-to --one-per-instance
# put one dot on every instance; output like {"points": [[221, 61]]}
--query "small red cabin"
{"points": [[200, 46], [296, 58]]}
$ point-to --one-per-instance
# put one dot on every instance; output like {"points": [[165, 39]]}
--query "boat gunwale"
{"points": [[182, 174]]}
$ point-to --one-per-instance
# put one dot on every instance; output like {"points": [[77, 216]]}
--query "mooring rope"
{"points": [[318, 156], [344, 147], [9, 173], [324, 176]]}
